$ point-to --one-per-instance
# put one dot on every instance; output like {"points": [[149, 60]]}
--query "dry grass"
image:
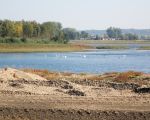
{"points": [[107, 76], [127, 76], [49, 75], [43, 73], [111, 41], [95, 78], [41, 48], [123, 77], [59, 75]]}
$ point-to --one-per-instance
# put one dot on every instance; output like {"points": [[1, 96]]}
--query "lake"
{"points": [[99, 61]]}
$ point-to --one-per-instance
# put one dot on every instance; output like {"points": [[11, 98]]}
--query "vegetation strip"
{"points": [[12, 48]]}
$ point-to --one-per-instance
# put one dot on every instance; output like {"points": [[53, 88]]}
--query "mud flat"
{"points": [[44, 95]]}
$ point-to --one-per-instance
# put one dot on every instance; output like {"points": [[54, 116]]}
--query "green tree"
{"points": [[46, 30], [36, 29], [1, 23], [7, 28], [28, 29], [70, 34], [113, 32], [84, 34], [20, 30], [130, 36]]}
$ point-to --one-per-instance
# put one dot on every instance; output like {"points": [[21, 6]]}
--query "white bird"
{"points": [[124, 56], [84, 56], [56, 55]]}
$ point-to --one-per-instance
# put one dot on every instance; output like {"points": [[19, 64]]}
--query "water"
{"points": [[90, 62]]}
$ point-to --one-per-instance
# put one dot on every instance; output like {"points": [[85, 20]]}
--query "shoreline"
{"points": [[55, 48], [33, 48], [73, 46]]}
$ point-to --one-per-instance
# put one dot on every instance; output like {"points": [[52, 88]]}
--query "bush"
{"points": [[12, 40], [66, 41], [2, 40], [23, 40]]}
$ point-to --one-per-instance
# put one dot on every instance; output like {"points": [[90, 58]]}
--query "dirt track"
{"points": [[54, 114], [74, 108]]}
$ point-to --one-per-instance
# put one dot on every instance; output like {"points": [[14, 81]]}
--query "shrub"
{"points": [[23, 40], [2, 40], [13, 40]]}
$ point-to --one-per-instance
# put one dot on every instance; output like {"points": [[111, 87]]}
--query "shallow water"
{"points": [[90, 62]]}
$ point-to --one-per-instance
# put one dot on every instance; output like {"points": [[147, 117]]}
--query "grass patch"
{"points": [[144, 48], [112, 47], [53, 47], [111, 41]]}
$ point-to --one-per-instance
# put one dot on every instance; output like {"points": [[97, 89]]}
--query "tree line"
{"points": [[11, 31], [116, 33], [32, 31]]}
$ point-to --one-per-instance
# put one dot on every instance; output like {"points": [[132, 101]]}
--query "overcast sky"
{"points": [[80, 14]]}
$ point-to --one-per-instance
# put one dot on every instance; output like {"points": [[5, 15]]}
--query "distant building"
{"points": [[90, 37]]}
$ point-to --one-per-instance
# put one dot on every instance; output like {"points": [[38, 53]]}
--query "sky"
{"points": [[80, 14]]}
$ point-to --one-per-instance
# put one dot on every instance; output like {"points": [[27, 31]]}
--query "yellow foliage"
{"points": [[18, 29]]}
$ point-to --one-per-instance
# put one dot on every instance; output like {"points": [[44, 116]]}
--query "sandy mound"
{"points": [[14, 81], [13, 74]]}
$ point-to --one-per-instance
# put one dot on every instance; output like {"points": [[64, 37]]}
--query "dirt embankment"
{"points": [[44, 95], [54, 114]]}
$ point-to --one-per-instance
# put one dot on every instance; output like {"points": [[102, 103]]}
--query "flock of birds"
{"points": [[65, 56], [82, 56]]}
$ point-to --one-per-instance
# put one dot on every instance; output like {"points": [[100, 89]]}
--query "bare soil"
{"points": [[27, 96]]}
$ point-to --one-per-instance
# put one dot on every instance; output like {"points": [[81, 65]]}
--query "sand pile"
{"points": [[13, 81], [13, 74]]}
